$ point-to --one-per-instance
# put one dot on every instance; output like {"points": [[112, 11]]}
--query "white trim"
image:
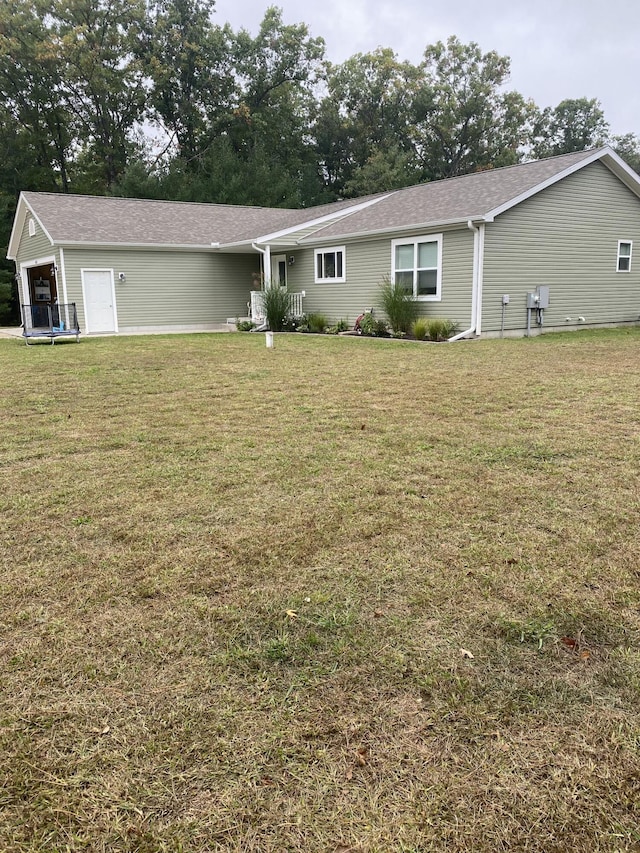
{"points": [[606, 155], [113, 297], [63, 276], [628, 243], [416, 241], [480, 280], [319, 220], [24, 275], [278, 259], [22, 209], [328, 250], [32, 227]]}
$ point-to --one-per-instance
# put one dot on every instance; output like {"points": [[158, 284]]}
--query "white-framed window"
{"points": [[330, 265], [32, 227], [625, 247], [416, 265]]}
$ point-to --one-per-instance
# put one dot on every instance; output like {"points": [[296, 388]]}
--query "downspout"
{"points": [[474, 286], [263, 252]]}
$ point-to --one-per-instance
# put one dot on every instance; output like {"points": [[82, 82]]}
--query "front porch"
{"points": [[256, 306]]}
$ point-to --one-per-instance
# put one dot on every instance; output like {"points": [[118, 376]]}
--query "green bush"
{"points": [[399, 306], [441, 330], [317, 323], [245, 325], [340, 326], [277, 307], [420, 329], [373, 328]]}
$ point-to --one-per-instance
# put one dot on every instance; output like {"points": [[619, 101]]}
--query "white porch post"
{"points": [[266, 259]]}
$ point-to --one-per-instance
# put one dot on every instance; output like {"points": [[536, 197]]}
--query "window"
{"points": [[330, 265], [624, 255], [417, 265]]}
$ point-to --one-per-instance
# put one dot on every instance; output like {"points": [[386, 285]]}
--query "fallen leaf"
{"points": [[466, 654], [569, 642], [349, 774], [292, 614], [105, 730], [378, 613], [585, 655]]}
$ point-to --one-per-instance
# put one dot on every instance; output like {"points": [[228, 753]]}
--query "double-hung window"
{"points": [[330, 265], [624, 255], [416, 266]]}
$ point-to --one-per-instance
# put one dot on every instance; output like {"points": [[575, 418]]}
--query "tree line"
{"points": [[156, 100]]}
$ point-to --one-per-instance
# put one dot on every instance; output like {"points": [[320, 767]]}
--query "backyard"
{"points": [[345, 595]]}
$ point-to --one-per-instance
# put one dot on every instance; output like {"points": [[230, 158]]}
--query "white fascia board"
{"points": [[93, 244], [621, 170], [22, 209], [598, 154], [310, 223], [382, 232]]}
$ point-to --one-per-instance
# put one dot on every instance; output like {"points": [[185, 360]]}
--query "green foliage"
{"points": [[419, 329], [317, 323], [440, 330], [341, 326], [245, 325], [371, 327], [574, 125], [277, 308], [399, 306]]}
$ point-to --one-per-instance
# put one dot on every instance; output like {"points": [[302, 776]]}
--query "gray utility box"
{"points": [[539, 299]]}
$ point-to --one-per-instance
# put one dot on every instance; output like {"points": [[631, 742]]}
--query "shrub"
{"points": [[245, 325], [317, 323], [340, 326], [373, 328], [420, 329], [399, 306], [276, 304], [440, 330]]}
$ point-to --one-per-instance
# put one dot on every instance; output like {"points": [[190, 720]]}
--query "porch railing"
{"points": [[256, 307]]}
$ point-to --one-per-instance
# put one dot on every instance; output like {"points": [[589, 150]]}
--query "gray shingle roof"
{"points": [[99, 219], [95, 219], [453, 199]]}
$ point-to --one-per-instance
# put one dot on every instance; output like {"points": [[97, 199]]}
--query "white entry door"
{"points": [[279, 270], [99, 300]]}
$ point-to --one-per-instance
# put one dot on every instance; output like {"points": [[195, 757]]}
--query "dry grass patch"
{"points": [[237, 585]]}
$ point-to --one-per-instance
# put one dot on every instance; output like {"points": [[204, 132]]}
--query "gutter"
{"points": [[477, 280]]}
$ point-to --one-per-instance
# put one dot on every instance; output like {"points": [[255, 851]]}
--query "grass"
{"points": [[241, 588]]}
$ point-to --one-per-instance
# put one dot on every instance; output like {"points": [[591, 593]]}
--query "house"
{"points": [[541, 245]]}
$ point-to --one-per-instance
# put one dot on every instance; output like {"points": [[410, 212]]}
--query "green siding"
{"points": [[32, 248], [367, 262], [165, 289], [565, 237]]}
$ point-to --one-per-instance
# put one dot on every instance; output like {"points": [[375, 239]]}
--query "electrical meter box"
{"points": [[539, 299], [543, 296]]}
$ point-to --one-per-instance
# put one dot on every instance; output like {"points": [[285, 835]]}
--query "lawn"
{"points": [[343, 595]]}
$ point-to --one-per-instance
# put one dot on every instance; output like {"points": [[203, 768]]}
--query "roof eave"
{"points": [[404, 229], [23, 207]]}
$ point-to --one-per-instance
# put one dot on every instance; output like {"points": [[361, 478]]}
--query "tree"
{"points": [[628, 147], [363, 126], [463, 120], [190, 62], [95, 45], [35, 111], [574, 125]]}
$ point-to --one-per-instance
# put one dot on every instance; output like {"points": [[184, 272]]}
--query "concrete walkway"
{"points": [[10, 333]]}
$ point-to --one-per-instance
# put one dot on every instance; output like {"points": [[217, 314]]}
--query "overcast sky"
{"points": [[558, 48]]}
